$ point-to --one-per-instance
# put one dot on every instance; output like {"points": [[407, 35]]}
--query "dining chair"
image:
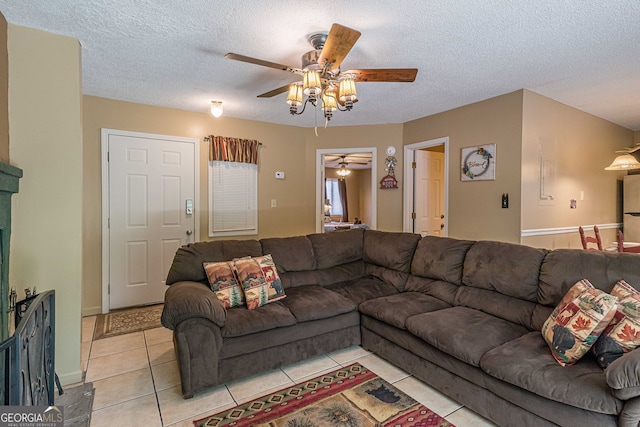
{"points": [[588, 241], [622, 248]]}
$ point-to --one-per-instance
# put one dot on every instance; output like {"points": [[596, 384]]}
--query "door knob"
{"points": [[441, 226], [189, 232], [442, 216]]}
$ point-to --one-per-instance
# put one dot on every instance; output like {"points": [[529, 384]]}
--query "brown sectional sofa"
{"points": [[463, 316]]}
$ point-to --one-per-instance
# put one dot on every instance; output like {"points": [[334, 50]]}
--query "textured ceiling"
{"points": [[171, 53]]}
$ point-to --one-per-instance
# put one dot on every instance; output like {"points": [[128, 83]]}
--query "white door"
{"points": [[150, 214], [429, 193]]}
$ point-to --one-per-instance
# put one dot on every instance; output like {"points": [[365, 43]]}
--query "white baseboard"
{"points": [[91, 311], [70, 378]]}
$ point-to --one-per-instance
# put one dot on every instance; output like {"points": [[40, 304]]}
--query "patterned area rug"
{"points": [[349, 397], [125, 321]]}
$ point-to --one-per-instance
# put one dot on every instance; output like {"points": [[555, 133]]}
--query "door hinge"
{"points": [[413, 165], [109, 288], [108, 222], [108, 156], [413, 215]]}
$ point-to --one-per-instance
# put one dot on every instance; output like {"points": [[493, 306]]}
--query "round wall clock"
{"points": [[391, 150]]}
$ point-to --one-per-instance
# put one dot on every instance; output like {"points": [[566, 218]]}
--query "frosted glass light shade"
{"points": [[623, 162], [216, 108]]}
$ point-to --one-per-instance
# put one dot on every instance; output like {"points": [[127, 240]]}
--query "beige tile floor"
{"points": [[137, 383]]}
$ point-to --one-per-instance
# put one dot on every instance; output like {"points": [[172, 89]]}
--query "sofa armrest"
{"points": [[623, 375], [186, 300]]}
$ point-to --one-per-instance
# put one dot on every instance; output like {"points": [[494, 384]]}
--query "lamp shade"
{"points": [[623, 162], [294, 97], [311, 83], [329, 101], [348, 93]]}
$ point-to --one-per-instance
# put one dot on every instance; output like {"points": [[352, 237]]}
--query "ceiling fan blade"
{"points": [[338, 44], [269, 64], [274, 92], [384, 74]]}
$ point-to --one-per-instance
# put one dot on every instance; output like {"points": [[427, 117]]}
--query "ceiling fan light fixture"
{"points": [[311, 83], [343, 171], [623, 162], [294, 97], [329, 101], [216, 108], [348, 94]]}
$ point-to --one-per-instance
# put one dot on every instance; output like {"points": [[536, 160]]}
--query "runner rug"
{"points": [[349, 397], [122, 322]]}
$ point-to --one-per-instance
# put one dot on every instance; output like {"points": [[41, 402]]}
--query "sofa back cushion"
{"points": [[188, 260], [337, 247], [507, 268], [501, 279], [563, 268], [388, 256], [440, 258], [290, 253]]}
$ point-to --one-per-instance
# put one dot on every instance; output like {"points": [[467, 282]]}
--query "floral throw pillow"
{"points": [[623, 332], [260, 281], [224, 283], [577, 322]]}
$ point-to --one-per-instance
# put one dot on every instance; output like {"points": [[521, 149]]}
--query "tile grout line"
{"points": [[153, 380]]}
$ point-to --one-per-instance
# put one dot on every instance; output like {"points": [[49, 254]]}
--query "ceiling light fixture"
{"points": [[343, 171], [323, 88], [623, 162], [216, 108]]}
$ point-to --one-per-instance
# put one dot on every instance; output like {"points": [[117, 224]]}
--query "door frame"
{"points": [[320, 153], [409, 191], [105, 133]]}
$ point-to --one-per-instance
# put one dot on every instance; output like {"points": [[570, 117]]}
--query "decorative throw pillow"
{"points": [[577, 321], [623, 333], [224, 283], [260, 281]]}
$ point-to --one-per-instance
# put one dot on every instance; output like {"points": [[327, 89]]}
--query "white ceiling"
{"points": [[171, 53]]}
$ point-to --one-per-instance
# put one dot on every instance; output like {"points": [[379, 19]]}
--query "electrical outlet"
{"points": [[273, 203]]}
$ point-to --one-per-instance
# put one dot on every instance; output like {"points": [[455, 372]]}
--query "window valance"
{"points": [[229, 149]]}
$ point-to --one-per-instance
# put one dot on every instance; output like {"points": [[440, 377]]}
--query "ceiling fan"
{"points": [[322, 78]]}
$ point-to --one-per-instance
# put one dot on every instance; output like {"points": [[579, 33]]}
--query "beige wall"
{"points": [[474, 207], [389, 202], [581, 145], [4, 92], [45, 113], [283, 150]]}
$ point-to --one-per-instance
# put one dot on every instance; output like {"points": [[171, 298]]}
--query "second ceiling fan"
{"points": [[322, 78]]}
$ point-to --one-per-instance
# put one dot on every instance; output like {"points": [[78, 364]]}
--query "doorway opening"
{"points": [[426, 190], [362, 181]]}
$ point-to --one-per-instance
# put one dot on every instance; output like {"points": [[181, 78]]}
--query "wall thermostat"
{"points": [[279, 175]]}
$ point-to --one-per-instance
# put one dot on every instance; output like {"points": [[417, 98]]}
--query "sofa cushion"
{"points": [[623, 332], [260, 281], [290, 253], [395, 309], [562, 268], [525, 362], [241, 321], [331, 249], [391, 250], [187, 262], [508, 268], [577, 321], [315, 302], [364, 289], [440, 258], [224, 283], [462, 332]]}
